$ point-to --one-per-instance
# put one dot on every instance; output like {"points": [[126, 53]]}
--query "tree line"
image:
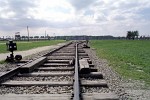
{"points": [[132, 34]]}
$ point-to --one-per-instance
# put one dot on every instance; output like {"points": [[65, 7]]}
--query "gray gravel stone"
{"points": [[94, 90], [36, 90], [53, 78]]}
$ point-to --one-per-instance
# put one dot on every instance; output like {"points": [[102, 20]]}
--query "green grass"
{"points": [[2, 62], [29, 45], [130, 58], [3, 41]]}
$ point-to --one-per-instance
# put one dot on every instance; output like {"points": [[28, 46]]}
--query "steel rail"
{"points": [[17, 70], [76, 78]]}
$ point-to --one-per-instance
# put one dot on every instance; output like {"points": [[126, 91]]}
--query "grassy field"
{"points": [[130, 58], [29, 45]]}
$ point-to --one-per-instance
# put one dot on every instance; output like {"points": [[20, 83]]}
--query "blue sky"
{"points": [[74, 17]]}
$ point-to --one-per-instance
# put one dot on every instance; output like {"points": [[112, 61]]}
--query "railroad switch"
{"points": [[11, 46]]}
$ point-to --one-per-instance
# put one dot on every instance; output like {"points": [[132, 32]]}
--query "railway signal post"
{"points": [[11, 46]]}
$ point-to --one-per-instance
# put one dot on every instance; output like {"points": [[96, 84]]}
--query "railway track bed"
{"points": [[66, 73]]}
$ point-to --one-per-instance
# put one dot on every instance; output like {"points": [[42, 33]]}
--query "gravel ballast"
{"points": [[53, 78], [36, 90], [94, 90]]}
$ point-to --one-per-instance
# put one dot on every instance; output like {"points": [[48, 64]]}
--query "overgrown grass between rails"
{"points": [[129, 58], [30, 45]]}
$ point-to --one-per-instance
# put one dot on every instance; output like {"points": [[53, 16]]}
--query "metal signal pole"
{"points": [[28, 32]]}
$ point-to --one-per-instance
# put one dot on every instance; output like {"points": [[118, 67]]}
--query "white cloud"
{"points": [[75, 17]]}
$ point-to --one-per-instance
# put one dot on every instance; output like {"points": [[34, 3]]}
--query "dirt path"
{"points": [[31, 51]]}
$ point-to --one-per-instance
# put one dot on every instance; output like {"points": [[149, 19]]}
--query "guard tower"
{"points": [[17, 36]]}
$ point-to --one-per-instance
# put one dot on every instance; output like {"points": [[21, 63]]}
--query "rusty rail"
{"points": [[76, 78]]}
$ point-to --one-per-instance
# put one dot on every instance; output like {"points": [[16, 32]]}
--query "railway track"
{"points": [[66, 73]]}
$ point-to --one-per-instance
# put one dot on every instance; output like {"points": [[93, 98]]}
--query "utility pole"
{"points": [[28, 32], [45, 35], [54, 36]]}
